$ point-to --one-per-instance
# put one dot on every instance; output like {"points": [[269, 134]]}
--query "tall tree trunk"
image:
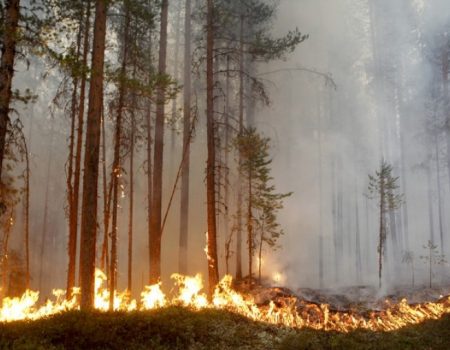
{"points": [[117, 167], [241, 130], [357, 236], [320, 184], [260, 255], [155, 222], [382, 233], [213, 268], [91, 160], [11, 22], [149, 179], [184, 207], [107, 194], [430, 201], [226, 184], [27, 216], [439, 193], [44, 236], [78, 155], [74, 174], [176, 74], [131, 203], [430, 272], [334, 215]]}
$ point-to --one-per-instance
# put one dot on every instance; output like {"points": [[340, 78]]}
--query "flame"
{"points": [[287, 311], [153, 297], [189, 291]]}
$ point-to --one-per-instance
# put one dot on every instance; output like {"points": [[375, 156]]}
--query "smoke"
{"points": [[326, 139]]}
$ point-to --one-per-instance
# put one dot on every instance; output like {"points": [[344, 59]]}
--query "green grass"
{"points": [[178, 328]]}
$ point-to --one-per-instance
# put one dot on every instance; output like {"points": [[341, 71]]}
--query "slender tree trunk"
{"points": [[11, 22], [213, 268], [227, 160], [260, 255], [107, 194], [334, 214], [27, 216], [184, 209], [357, 239], [176, 74], [91, 160], [430, 270], [45, 217], [73, 234], [250, 229], [439, 193], [320, 184], [241, 130], [382, 235], [149, 179], [74, 174], [131, 207], [155, 222], [117, 167], [430, 201]]}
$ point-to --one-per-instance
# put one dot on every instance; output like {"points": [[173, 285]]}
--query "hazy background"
{"points": [[326, 140]]}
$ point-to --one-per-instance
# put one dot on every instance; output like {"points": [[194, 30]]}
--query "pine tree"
{"points": [[91, 160], [383, 187], [213, 263], [155, 223], [263, 203], [184, 203]]}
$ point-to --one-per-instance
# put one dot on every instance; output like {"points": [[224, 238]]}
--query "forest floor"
{"points": [[180, 328]]}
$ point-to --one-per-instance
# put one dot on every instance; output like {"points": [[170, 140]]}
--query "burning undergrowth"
{"points": [[275, 306]]}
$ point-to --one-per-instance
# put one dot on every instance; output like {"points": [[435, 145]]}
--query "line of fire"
{"points": [[283, 161]]}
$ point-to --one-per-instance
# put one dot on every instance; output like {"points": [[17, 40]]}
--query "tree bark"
{"points": [[439, 193], [11, 23], [226, 184], [131, 202], [27, 216], [149, 178], [213, 269], [241, 129], [260, 255], [107, 194], [75, 188], [117, 167], [184, 207], [155, 220], [382, 234], [176, 74], [91, 160], [430, 200]]}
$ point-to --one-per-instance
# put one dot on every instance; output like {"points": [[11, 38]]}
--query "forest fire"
{"points": [[287, 311]]}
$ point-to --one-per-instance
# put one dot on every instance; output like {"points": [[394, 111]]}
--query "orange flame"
{"points": [[288, 311]]}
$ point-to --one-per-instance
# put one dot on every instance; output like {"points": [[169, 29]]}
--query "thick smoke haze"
{"points": [[360, 89], [329, 138]]}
